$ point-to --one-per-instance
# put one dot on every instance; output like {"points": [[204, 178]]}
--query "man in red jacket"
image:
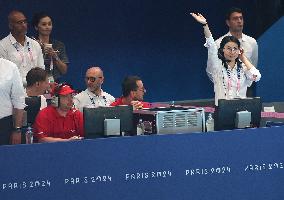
{"points": [[132, 93], [59, 121]]}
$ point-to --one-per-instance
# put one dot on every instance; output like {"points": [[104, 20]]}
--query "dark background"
{"points": [[157, 40]]}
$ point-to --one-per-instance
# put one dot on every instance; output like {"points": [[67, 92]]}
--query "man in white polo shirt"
{"points": [[25, 52], [93, 96]]}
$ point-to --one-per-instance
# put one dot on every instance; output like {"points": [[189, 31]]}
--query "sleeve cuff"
{"points": [[209, 41]]}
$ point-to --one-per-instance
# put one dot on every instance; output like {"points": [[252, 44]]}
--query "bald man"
{"points": [[20, 49], [93, 96]]}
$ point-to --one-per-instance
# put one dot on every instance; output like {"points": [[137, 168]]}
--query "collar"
{"points": [[93, 94], [14, 41], [120, 101], [243, 39]]}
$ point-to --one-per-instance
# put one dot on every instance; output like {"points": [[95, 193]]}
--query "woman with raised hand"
{"points": [[55, 57], [227, 67]]}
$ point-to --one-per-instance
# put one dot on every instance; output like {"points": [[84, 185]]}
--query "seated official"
{"points": [[59, 121], [93, 96], [37, 84], [132, 93]]}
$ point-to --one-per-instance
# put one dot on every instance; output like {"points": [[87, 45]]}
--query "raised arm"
{"points": [[210, 45], [202, 20]]}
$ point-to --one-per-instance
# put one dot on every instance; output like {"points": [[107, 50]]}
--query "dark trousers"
{"points": [[251, 90], [6, 126]]}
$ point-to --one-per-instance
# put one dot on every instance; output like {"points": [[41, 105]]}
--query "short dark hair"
{"points": [[37, 17], [13, 12], [232, 10], [36, 74], [129, 84]]}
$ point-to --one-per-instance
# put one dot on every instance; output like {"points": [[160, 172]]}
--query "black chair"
{"points": [[32, 108]]}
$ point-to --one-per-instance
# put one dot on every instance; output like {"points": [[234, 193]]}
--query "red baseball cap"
{"points": [[64, 90]]}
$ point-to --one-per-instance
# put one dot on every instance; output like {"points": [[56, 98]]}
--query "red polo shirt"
{"points": [[119, 102], [49, 123]]}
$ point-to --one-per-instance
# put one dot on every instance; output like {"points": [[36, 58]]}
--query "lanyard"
{"points": [[21, 53], [93, 100], [229, 82]]}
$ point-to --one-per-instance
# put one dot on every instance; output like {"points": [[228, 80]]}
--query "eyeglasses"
{"points": [[92, 79], [22, 22], [232, 50]]}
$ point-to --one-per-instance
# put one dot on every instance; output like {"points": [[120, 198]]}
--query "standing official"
{"points": [[235, 22], [20, 49], [12, 103]]}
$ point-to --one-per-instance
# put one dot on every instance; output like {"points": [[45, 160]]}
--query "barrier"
{"points": [[238, 164]]}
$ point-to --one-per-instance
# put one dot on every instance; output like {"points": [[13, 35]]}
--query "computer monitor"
{"points": [[94, 120], [32, 109], [225, 113]]}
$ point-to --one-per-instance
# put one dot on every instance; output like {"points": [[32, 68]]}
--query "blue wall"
{"points": [[271, 44], [156, 40]]}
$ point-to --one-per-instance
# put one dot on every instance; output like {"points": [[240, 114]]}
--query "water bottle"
{"points": [[140, 127], [29, 135], [210, 123]]}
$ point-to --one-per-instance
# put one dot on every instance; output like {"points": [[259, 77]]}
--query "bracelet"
{"points": [[17, 129], [56, 58], [204, 24]]}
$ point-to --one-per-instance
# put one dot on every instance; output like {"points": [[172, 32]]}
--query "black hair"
{"points": [[13, 12], [36, 74], [37, 17], [232, 10], [224, 41], [129, 84]]}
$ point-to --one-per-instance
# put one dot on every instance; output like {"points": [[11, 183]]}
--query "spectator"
{"points": [[55, 57]]}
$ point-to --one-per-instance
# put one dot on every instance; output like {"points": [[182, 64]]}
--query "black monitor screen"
{"points": [[225, 113], [94, 119], [32, 108]]}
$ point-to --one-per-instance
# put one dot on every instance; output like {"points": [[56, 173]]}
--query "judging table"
{"points": [[238, 164]]}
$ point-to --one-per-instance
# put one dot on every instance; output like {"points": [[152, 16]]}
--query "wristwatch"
{"points": [[17, 129]]}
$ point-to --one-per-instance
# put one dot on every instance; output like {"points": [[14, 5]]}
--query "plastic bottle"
{"points": [[210, 123], [29, 135], [140, 127]]}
